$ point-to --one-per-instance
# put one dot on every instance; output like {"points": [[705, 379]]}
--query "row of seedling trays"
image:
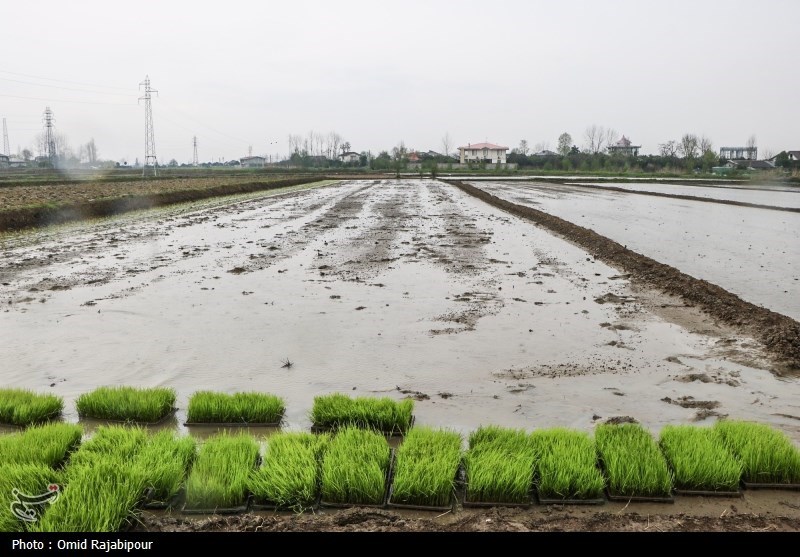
{"points": [[121, 469]]}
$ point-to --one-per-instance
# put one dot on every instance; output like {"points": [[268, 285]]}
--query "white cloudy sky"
{"points": [[239, 73]]}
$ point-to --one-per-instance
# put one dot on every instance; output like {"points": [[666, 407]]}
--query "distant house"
{"points": [[483, 152], [350, 157], [252, 162], [17, 163], [738, 153], [794, 156], [544, 153], [747, 164], [625, 148], [5, 161]]}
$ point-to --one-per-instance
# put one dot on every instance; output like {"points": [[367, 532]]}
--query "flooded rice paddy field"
{"points": [[383, 288], [751, 252]]}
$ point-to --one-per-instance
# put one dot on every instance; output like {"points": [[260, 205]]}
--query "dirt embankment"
{"points": [[779, 334], [36, 206]]}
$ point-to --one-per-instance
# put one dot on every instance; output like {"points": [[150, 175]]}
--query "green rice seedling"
{"points": [[19, 484], [426, 464], [290, 475], [219, 476], [101, 496], [383, 414], [699, 459], [767, 454], [355, 467], [122, 442], [129, 404], [164, 461], [499, 465], [47, 444], [249, 408], [633, 461], [567, 466], [23, 407]]}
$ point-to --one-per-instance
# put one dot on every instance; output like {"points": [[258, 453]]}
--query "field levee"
{"points": [[46, 214]]}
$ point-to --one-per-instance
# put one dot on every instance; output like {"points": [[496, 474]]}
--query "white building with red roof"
{"points": [[483, 152]]}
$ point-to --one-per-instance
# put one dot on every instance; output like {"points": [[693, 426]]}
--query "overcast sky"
{"points": [[249, 73]]}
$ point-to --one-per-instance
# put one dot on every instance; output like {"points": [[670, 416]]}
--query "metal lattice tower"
{"points": [[6, 148], [194, 143], [149, 136], [49, 137]]}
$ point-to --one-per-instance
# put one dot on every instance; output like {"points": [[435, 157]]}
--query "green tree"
{"points": [[564, 144]]}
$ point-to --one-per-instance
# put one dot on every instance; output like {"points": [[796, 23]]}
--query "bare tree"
{"points": [[564, 144], [295, 141], [597, 137], [447, 143], [767, 154], [668, 149], [523, 147], [751, 142], [346, 147], [91, 151], [705, 144], [610, 137], [688, 146]]}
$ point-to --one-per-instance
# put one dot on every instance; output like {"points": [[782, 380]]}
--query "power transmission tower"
{"points": [[149, 137], [49, 137], [194, 142], [6, 148]]}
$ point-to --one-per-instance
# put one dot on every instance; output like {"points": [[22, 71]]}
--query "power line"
{"points": [[65, 81], [61, 100], [64, 88]]}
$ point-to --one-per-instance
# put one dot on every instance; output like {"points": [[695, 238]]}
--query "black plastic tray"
{"points": [[760, 485], [546, 501], [639, 498], [386, 433]]}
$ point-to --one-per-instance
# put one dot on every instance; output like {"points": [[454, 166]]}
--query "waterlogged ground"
{"points": [[389, 288], [751, 252]]}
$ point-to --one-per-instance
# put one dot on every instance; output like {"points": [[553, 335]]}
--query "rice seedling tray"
{"points": [[759, 485], [466, 503], [549, 501], [459, 483], [219, 510], [707, 493], [381, 505], [232, 424], [388, 433], [166, 417], [639, 498]]}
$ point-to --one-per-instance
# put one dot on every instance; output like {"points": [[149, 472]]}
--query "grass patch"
{"points": [[633, 462], [164, 461], [220, 473], [47, 444], [249, 408], [699, 459], [382, 414], [23, 407], [426, 465], [28, 479], [354, 467], [290, 475], [767, 454], [499, 465], [127, 404], [567, 465]]}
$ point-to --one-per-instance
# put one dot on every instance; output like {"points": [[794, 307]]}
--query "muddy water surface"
{"points": [[390, 288], [753, 253]]}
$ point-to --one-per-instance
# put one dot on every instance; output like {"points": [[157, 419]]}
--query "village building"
{"points": [[625, 148], [483, 152], [252, 162], [350, 157]]}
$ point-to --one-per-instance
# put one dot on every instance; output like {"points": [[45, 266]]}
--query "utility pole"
{"points": [[6, 148], [49, 138], [194, 159], [149, 137]]}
